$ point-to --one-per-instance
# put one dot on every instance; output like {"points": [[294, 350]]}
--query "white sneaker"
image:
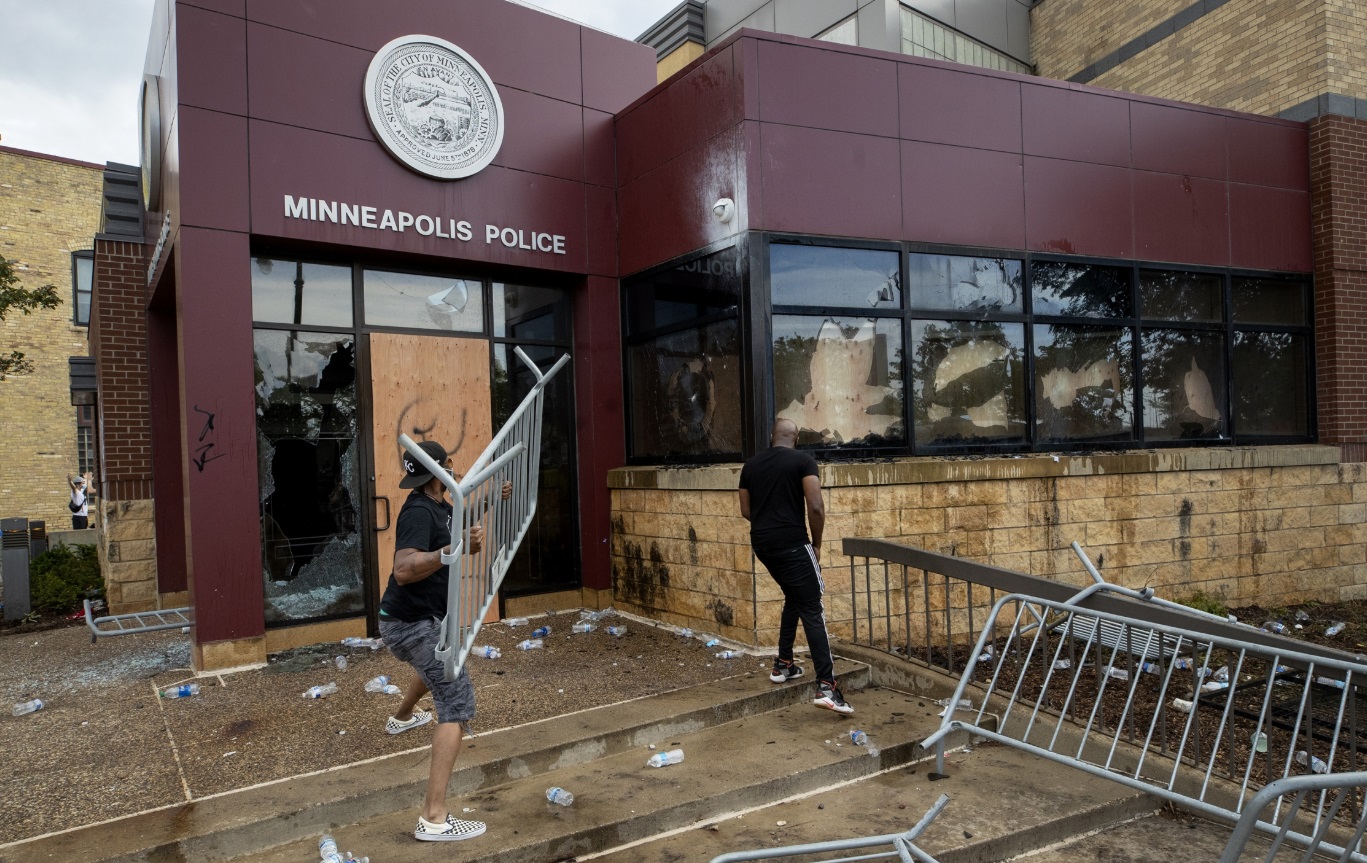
{"points": [[453, 830], [397, 726]]}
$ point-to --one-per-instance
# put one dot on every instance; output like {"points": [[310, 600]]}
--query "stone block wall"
{"points": [[1266, 525], [128, 555], [49, 208]]}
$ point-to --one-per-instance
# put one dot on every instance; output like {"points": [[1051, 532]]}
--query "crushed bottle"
{"points": [[963, 704], [1259, 742], [1276, 627], [1221, 674], [1181, 705], [1335, 629], [617, 631], [712, 642], [1301, 616], [529, 644], [986, 655], [26, 707], [1063, 664], [729, 654], [341, 663], [320, 691], [372, 643], [685, 633], [184, 690], [487, 651], [661, 759], [517, 621], [559, 796], [1305, 759], [377, 684], [541, 632]]}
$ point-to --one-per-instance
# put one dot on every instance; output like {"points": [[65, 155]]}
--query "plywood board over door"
{"points": [[430, 388]]}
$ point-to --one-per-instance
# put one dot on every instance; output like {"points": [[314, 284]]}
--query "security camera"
{"points": [[725, 210]]}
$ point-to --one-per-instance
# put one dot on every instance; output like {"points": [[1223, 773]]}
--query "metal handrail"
{"points": [[513, 455], [1297, 787]]}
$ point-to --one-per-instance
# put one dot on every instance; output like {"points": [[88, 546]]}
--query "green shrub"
{"points": [[1202, 601], [62, 576]]}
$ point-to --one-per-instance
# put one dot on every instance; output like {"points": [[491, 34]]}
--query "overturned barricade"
{"points": [[514, 455]]}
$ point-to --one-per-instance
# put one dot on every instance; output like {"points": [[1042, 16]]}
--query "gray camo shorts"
{"points": [[416, 644]]}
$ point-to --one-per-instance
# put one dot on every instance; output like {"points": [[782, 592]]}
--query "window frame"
{"points": [[76, 291]]}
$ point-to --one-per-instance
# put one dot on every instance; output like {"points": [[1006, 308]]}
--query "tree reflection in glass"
{"points": [[840, 380], [686, 396], [1269, 374], [1080, 290], [826, 276], [1083, 383], [1170, 295], [949, 282], [1184, 384], [1268, 301], [968, 382]]}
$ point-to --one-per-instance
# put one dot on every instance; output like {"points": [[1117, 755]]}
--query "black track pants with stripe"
{"points": [[799, 576]]}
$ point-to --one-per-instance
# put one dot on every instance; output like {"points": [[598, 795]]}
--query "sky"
{"points": [[70, 69]]}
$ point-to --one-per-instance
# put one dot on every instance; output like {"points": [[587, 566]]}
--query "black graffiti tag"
{"points": [[204, 452]]}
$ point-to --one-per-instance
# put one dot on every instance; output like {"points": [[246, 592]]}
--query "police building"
{"points": [[1006, 311]]}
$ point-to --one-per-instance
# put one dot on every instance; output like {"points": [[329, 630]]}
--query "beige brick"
{"points": [[133, 549]]}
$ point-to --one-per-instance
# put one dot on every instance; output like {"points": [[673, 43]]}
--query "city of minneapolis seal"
{"points": [[433, 107]]}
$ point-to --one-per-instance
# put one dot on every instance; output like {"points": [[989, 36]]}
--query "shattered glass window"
{"points": [[1080, 290], [1169, 295], [968, 382], [307, 430], [407, 300], [954, 283], [686, 392], [1269, 371], [699, 288], [1184, 384], [840, 379], [293, 292], [827, 276], [523, 312], [1083, 384]]}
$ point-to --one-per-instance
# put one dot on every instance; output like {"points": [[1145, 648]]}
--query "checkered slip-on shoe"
{"points": [[419, 717], [453, 830]]}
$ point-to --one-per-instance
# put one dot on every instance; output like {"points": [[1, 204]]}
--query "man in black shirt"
{"points": [[780, 493], [411, 611]]}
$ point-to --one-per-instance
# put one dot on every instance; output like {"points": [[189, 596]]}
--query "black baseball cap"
{"points": [[415, 474]]}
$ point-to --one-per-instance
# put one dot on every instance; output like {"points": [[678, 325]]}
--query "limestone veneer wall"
{"points": [[128, 556], [1256, 525]]}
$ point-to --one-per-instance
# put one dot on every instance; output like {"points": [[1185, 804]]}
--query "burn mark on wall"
{"points": [[642, 577], [722, 613], [692, 545]]}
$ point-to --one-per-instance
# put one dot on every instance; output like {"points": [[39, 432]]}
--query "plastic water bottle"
{"points": [[1150, 668], [1259, 742], [685, 633], [372, 643], [541, 632], [617, 631], [1181, 705], [1221, 674], [185, 690], [391, 689], [1117, 673], [1063, 664], [1301, 616], [1274, 626], [712, 642], [729, 654], [1335, 629], [377, 684], [28, 707], [341, 663], [529, 644], [517, 621], [660, 759], [320, 691], [327, 845], [1305, 759], [583, 626], [488, 651], [1329, 681], [559, 796], [859, 738]]}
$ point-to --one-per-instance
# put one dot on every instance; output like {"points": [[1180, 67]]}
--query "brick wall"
{"points": [[1261, 56], [118, 335], [1338, 174], [49, 208], [1267, 525]]}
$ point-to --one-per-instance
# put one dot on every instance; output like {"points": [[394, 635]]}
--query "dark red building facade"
{"points": [[1004, 260]]}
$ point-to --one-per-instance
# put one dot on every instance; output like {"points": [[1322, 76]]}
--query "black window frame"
{"points": [[82, 255]]}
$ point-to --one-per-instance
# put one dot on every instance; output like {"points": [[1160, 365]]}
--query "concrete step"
{"points": [[1161, 838], [241, 823], [1002, 803], [731, 767]]}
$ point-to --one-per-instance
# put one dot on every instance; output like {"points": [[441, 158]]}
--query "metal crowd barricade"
{"points": [[901, 846], [1203, 733], [136, 623], [514, 455]]}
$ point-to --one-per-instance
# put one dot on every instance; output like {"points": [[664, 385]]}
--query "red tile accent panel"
{"points": [[163, 356], [1078, 208], [1071, 124], [598, 411], [1338, 174], [828, 90], [948, 106], [1180, 218], [118, 338], [1178, 141], [820, 182], [614, 70], [1269, 229], [962, 196], [217, 80]]}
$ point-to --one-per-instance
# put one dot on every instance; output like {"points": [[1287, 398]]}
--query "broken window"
{"points": [[1080, 290], [1271, 390], [953, 283], [423, 302], [1083, 383], [1184, 384], [307, 429], [832, 276], [839, 379], [293, 292], [968, 382]]}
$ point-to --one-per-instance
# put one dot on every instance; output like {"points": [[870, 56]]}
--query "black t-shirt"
{"points": [[778, 508], [425, 525]]}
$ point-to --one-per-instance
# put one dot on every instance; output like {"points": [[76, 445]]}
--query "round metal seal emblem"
{"points": [[433, 107]]}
